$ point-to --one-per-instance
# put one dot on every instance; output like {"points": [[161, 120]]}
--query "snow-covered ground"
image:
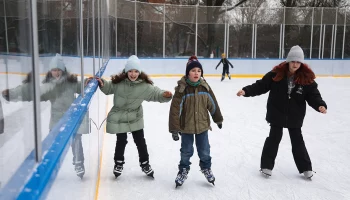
{"points": [[235, 151]]}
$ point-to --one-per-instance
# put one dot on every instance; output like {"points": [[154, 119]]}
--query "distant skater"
{"points": [[225, 69]]}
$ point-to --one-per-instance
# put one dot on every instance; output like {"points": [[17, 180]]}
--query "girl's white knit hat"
{"points": [[133, 62], [295, 54]]}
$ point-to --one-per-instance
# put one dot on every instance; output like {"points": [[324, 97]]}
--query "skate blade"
{"points": [[265, 175], [151, 175]]}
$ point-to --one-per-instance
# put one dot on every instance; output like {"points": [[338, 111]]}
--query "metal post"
{"points": [[116, 28], [312, 31], [102, 32], [342, 54], [321, 30], [324, 32], [164, 31], [280, 50], [81, 25], [335, 32], [87, 28], [256, 34], [135, 28], [36, 78], [225, 32], [332, 40], [196, 38], [93, 38], [61, 29], [253, 32], [99, 32], [284, 31], [228, 40], [7, 47]]}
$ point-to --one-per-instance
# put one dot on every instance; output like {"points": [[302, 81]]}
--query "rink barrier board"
{"points": [[33, 180]]}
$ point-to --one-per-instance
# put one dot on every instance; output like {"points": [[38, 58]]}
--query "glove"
{"points": [[6, 94], [175, 136], [220, 126]]}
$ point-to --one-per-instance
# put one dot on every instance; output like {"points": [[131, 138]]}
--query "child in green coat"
{"points": [[130, 88]]}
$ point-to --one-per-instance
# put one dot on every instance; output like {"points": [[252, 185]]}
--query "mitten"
{"points": [[220, 126], [6, 94], [175, 136]]}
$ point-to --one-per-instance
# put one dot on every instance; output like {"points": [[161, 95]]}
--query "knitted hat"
{"points": [[295, 54], [192, 63], [133, 62], [57, 63]]}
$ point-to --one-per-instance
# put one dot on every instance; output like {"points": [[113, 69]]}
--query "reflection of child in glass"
{"points": [[225, 69], [59, 87]]}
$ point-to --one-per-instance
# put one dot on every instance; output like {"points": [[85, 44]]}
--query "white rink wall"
{"points": [[176, 66]]}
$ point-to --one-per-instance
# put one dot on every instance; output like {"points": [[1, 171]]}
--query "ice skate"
{"points": [[308, 174], [222, 78], [146, 168], [181, 177], [80, 170], [209, 175], [118, 168]]}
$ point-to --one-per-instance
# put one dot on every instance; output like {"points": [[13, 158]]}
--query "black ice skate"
{"points": [[209, 175], [118, 168], [80, 170], [222, 78], [146, 168], [229, 76], [181, 177]]}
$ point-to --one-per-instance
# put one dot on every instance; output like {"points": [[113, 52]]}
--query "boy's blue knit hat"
{"points": [[133, 62], [192, 63]]}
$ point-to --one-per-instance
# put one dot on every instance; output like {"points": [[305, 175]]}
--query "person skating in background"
{"points": [[291, 85], [59, 87], [130, 88], [189, 117], [225, 69]]}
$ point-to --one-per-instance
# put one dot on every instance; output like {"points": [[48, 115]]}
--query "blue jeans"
{"points": [[203, 149]]}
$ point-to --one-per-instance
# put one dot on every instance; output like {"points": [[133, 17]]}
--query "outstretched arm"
{"points": [[107, 87], [153, 93], [229, 63], [218, 64], [314, 99], [259, 87]]}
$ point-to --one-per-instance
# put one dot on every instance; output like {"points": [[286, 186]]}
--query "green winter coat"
{"points": [[126, 114], [60, 94]]}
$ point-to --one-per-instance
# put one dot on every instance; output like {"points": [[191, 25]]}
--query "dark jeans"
{"points": [[203, 149], [77, 150], [300, 154], [140, 142]]}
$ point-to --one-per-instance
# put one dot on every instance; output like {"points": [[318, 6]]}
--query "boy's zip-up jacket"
{"points": [[190, 108]]}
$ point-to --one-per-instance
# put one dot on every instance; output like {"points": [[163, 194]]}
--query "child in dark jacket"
{"points": [[189, 117], [225, 69], [291, 85]]}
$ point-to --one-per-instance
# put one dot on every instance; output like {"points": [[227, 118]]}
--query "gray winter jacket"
{"points": [[60, 94]]}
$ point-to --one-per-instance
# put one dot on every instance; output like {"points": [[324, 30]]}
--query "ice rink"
{"points": [[235, 151]]}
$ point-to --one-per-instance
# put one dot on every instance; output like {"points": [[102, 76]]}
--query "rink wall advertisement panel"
{"points": [[176, 66]]}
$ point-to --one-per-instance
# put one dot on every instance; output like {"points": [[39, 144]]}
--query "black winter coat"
{"points": [[2, 125], [284, 110]]}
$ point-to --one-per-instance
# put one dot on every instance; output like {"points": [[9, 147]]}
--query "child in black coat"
{"points": [[225, 69], [291, 85]]}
